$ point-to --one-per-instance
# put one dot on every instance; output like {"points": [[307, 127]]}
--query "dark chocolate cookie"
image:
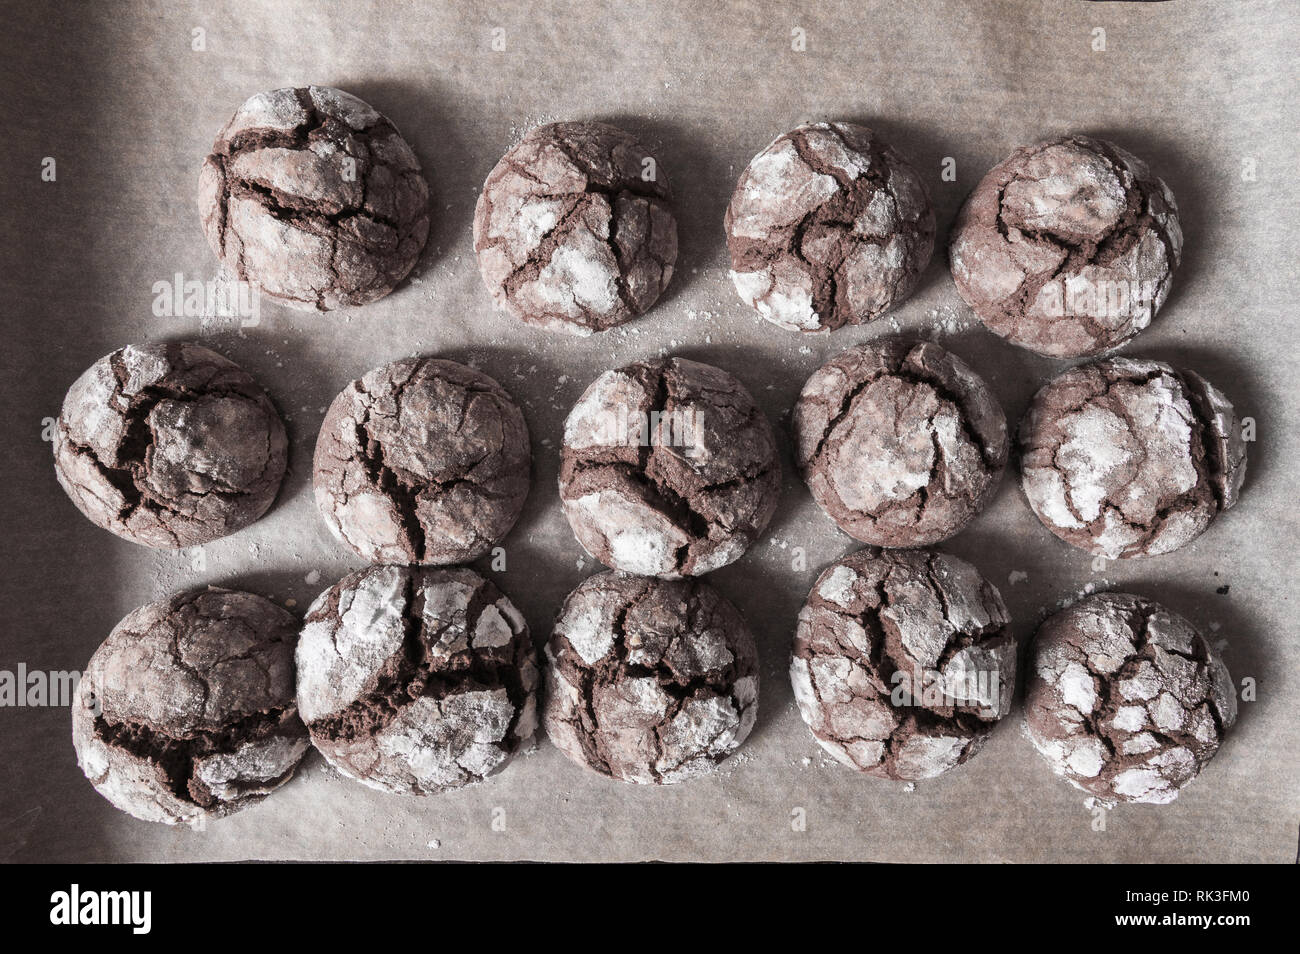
{"points": [[828, 226], [186, 711], [651, 681], [1067, 247], [315, 198], [415, 681], [1129, 457], [169, 445], [902, 662], [422, 461], [901, 444], [1126, 700], [668, 469], [573, 228]]}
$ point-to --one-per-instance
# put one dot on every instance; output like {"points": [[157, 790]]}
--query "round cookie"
{"points": [[650, 681], [901, 444], [1126, 700], [416, 681], [169, 445], [1129, 457], [902, 662], [1067, 247], [186, 711], [422, 461], [312, 196], [573, 229], [828, 226], [668, 469]]}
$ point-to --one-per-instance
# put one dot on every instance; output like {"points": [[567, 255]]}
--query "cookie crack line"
{"points": [[960, 403], [371, 456], [180, 500], [177, 756], [294, 210], [675, 616], [414, 672], [1098, 383], [631, 266], [434, 441], [832, 223], [360, 228], [879, 652], [1075, 249], [299, 213], [1108, 699]]}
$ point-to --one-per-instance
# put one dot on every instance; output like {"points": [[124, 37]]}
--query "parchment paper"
{"points": [[118, 95]]}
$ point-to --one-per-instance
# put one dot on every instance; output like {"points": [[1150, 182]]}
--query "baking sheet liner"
{"points": [[126, 102]]}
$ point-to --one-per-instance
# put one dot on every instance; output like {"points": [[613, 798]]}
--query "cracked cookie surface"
{"points": [[902, 662], [828, 226], [1067, 247], [573, 229], [668, 469], [1126, 700], [650, 681], [422, 461], [186, 711], [1130, 457], [416, 681], [315, 198], [900, 443], [169, 445]]}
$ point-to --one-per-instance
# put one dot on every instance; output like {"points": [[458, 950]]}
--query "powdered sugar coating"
{"points": [[415, 681], [186, 711], [902, 663], [314, 197], [1126, 700], [573, 230], [1068, 247], [668, 469], [423, 460], [169, 445], [649, 681], [1130, 457], [828, 226], [901, 444]]}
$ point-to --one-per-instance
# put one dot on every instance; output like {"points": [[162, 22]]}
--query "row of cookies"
{"points": [[1067, 247], [417, 680], [668, 467]]}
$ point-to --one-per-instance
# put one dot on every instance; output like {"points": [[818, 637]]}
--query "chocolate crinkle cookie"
{"points": [[668, 469], [573, 229], [416, 681], [902, 662], [1067, 247], [650, 681], [315, 198], [186, 712], [828, 226], [422, 461], [1126, 700], [1130, 457], [169, 445], [901, 444]]}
